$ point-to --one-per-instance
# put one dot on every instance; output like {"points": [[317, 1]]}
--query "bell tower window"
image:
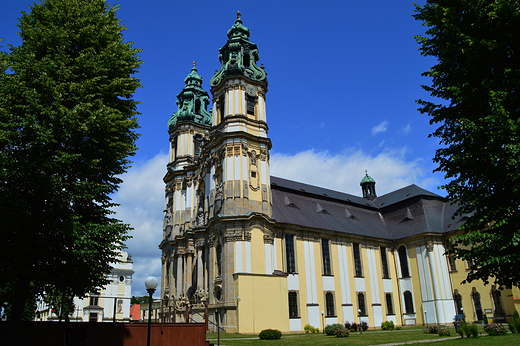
{"points": [[197, 107], [250, 105], [222, 104]]}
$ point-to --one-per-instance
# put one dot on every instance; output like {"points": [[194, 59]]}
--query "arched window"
{"points": [[408, 302], [325, 251], [499, 309], [389, 304], [293, 304], [357, 259], [329, 303], [289, 254], [476, 302], [458, 303], [361, 304], [403, 258], [219, 260]]}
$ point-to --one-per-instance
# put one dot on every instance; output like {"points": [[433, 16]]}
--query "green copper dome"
{"points": [[192, 102], [367, 179], [239, 56]]}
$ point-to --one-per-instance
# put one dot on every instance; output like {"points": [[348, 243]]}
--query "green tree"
{"points": [[139, 300], [477, 75], [67, 129]]}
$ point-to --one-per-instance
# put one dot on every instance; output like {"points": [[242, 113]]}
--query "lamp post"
{"points": [[151, 285], [359, 318], [323, 320]]}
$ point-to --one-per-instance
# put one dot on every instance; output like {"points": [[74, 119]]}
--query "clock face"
{"points": [[251, 91]]}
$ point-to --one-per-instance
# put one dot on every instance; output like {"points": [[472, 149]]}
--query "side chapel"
{"points": [[267, 252]]}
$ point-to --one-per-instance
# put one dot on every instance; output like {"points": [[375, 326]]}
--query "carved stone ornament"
{"points": [[264, 155], [252, 156], [268, 238], [244, 149], [200, 297], [429, 246], [181, 302]]}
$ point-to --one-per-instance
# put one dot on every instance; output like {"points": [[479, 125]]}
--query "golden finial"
{"points": [[366, 172], [194, 63], [238, 15]]}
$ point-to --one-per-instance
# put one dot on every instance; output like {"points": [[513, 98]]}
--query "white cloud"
{"points": [[382, 127], [407, 129], [142, 194], [141, 199], [343, 171]]}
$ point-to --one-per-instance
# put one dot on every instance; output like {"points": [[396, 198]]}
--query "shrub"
{"points": [[363, 326], [387, 325], [495, 329], [398, 327], [270, 334], [354, 327], [341, 332], [463, 329], [330, 329], [514, 325], [310, 329], [432, 329], [485, 319], [444, 331], [348, 325], [472, 331]]}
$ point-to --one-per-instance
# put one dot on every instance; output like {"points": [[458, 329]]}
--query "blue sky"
{"points": [[343, 80]]}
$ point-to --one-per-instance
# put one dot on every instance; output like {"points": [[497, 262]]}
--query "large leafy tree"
{"points": [[477, 75], [67, 128]]}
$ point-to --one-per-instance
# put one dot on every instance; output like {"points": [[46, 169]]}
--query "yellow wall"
{"points": [[263, 302]]}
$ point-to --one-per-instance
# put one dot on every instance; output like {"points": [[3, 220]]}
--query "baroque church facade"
{"points": [[266, 252]]}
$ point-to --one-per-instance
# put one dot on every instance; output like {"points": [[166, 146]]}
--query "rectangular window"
{"points": [[92, 317], [293, 305], [384, 262], [389, 304], [326, 257], [289, 253], [250, 105], [451, 262], [361, 304], [357, 259], [94, 300], [329, 304]]}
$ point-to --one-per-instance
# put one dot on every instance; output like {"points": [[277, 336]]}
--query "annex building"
{"points": [[112, 302], [267, 252]]}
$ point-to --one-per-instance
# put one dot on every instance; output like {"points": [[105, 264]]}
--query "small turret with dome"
{"points": [[239, 56], [192, 102], [368, 187]]}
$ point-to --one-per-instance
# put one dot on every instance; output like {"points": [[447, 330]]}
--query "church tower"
{"points": [[239, 89], [218, 203]]}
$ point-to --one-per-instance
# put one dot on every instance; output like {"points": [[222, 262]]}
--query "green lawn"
{"points": [[376, 337]]}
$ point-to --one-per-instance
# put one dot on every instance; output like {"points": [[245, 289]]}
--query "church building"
{"points": [[266, 252]]}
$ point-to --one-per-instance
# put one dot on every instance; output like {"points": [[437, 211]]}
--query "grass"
{"points": [[375, 337]]}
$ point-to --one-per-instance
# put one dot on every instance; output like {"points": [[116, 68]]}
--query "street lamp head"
{"points": [[322, 313], [151, 283], [359, 310]]}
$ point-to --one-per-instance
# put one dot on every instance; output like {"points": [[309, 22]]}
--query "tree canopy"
{"points": [[67, 129], [477, 77]]}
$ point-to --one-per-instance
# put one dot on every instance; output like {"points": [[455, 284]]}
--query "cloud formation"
{"points": [[142, 193], [141, 199], [382, 127]]}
